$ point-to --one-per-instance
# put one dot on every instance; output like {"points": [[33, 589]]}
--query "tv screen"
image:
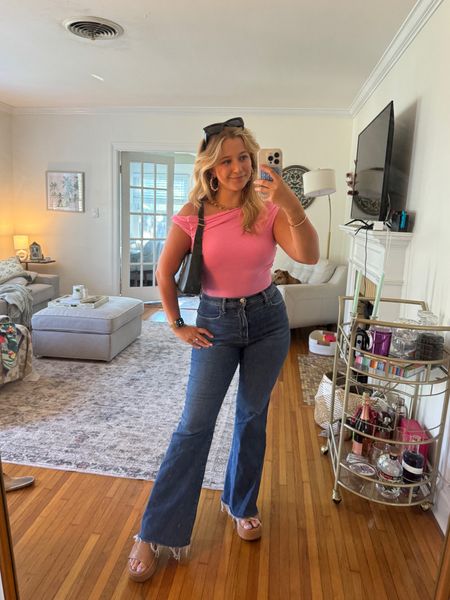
{"points": [[373, 159]]}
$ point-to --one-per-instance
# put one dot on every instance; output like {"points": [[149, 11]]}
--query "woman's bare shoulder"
{"points": [[187, 210]]}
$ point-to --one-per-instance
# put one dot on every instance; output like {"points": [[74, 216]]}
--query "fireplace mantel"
{"points": [[387, 251]]}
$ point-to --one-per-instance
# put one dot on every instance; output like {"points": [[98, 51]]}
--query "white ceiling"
{"points": [[314, 54]]}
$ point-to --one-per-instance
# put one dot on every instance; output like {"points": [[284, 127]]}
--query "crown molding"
{"points": [[413, 23], [188, 110], [6, 108]]}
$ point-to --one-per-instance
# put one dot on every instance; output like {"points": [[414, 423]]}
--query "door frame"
{"points": [[116, 149]]}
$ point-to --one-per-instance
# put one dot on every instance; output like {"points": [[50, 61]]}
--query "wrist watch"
{"points": [[177, 323]]}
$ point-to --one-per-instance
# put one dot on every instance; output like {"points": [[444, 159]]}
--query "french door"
{"points": [[154, 186]]}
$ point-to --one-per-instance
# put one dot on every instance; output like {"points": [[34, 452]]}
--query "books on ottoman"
{"points": [[69, 301]]}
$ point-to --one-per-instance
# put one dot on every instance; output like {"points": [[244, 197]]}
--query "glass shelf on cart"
{"points": [[367, 488], [412, 375]]}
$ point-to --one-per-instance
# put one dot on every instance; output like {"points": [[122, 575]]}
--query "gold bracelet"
{"points": [[298, 224]]}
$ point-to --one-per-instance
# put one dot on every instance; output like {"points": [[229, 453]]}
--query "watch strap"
{"points": [[177, 323]]}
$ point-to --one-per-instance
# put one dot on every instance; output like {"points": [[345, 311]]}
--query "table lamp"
{"points": [[321, 182], [21, 246]]}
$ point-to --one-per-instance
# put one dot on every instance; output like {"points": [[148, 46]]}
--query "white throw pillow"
{"points": [[18, 280], [301, 271], [9, 268], [322, 272]]}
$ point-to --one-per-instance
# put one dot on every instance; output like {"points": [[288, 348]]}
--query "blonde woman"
{"points": [[241, 323]]}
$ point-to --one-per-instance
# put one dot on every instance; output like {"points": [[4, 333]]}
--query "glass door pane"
{"points": [[147, 192], [154, 187]]}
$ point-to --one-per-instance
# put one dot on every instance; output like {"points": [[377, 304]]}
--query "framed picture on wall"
{"points": [[65, 191]]}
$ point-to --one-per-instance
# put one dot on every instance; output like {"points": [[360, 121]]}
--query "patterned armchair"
{"points": [[15, 351]]}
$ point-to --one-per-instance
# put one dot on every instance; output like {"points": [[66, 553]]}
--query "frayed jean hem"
{"points": [[225, 508], [178, 552]]}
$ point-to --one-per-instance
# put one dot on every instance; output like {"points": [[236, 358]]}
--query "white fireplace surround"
{"points": [[375, 252]]}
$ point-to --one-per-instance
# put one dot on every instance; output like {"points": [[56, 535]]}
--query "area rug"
{"points": [[312, 367], [188, 310], [109, 418]]}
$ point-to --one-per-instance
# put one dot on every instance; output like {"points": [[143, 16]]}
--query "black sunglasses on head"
{"points": [[216, 128]]}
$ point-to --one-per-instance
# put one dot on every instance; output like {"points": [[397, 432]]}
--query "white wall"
{"points": [[85, 247], [6, 198], [420, 87]]}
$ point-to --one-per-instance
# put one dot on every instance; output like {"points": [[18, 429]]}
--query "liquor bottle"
{"points": [[361, 442], [389, 470], [401, 412], [412, 462]]}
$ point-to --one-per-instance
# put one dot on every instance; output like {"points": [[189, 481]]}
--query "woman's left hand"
{"points": [[276, 191]]}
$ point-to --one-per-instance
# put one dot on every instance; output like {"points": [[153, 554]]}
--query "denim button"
{"points": [[243, 301]]}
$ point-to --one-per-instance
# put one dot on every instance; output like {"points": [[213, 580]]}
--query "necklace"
{"points": [[217, 204]]}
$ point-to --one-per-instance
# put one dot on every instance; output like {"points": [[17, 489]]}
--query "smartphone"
{"points": [[273, 158]]}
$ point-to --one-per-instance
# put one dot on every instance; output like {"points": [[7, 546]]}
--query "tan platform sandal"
{"points": [[249, 535], [148, 555]]}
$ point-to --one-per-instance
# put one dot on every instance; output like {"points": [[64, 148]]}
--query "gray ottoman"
{"points": [[87, 333]]}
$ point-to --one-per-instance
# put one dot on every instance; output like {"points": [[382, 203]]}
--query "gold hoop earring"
{"points": [[216, 187]]}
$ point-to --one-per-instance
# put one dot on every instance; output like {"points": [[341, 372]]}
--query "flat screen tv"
{"points": [[373, 160]]}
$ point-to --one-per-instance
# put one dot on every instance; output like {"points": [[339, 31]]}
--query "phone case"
{"points": [[273, 158]]}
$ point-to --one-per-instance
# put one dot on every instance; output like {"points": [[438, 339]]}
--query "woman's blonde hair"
{"points": [[207, 158]]}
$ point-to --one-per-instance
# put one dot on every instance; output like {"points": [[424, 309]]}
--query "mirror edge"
{"points": [[442, 590], [7, 563]]}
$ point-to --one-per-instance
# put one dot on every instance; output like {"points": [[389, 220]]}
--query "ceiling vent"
{"points": [[93, 28]]}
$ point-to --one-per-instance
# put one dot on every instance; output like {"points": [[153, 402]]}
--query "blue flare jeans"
{"points": [[251, 333]]}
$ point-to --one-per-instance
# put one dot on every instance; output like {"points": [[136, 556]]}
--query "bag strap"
{"points": [[197, 249]]}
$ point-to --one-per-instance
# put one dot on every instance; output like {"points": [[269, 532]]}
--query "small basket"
{"points": [[319, 345], [322, 408]]}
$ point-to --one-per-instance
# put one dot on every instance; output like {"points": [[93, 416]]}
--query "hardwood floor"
{"points": [[72, 532]]}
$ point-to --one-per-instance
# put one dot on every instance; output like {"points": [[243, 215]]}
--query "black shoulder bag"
{"points": [[189, 276]]}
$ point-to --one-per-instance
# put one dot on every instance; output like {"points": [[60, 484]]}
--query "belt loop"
{"points": [[224, 304], [264, 295]]}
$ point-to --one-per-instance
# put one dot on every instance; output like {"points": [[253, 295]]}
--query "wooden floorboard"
{"points": [[72, 532]]}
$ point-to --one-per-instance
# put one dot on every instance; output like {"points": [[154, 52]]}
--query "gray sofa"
{"points": [[43, 289]]}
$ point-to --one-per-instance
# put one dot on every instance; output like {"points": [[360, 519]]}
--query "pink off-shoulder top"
{"points": [[235, 263]]}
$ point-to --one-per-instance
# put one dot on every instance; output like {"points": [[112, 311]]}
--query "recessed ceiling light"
{"points": [[97, 77]]}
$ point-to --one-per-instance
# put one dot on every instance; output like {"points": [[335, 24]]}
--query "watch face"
{"points": [[179, 323], [293, 176]]}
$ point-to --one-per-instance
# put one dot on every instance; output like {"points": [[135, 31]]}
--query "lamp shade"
{"points": [[20, 242], [320, 182]]}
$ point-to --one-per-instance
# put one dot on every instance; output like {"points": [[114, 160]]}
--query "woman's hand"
{"points": [[276, 191], [194, 336]]}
